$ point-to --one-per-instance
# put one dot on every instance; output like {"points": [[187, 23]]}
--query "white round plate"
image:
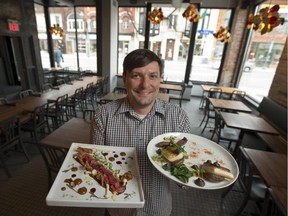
{"points": [[199, 150]]}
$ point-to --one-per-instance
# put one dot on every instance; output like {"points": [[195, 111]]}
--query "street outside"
{"points": [[256, 82]]}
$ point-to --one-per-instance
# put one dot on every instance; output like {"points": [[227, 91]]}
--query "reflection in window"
{"points": [[262, 57]]}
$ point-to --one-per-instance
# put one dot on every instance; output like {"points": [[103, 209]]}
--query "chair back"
{"points": [[78, 94], [61, 102], [25, 93], [10, 138], [238, 95], [3, 101], [218, 123], [89, 89], [88, 114], [215, 93], [40, 116], [10, 131], [53, 158], [121, 90]]}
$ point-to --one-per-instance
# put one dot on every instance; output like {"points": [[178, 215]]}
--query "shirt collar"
{"points": [[125, 107]]}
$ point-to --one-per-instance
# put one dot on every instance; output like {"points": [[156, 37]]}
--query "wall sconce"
{"points": [[223, 35], [56, 30], [266, 20], [191, 13], [156, 16]]}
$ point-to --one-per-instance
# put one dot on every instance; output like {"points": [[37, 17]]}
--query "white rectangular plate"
{"points": [[122, 158]]}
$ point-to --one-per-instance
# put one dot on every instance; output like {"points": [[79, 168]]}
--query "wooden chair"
{"points": [[53, 158], [10, 139], [38, 125], [223, 132], [179, 97], [249, 186]]}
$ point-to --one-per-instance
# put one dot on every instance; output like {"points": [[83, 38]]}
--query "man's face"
{"points": [[143, 85]]}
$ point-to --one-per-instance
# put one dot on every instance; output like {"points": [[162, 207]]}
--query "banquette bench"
{"points": [[276, 115]]}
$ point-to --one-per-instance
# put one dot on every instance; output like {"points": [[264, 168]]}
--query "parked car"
{"points": [[248, 66]]}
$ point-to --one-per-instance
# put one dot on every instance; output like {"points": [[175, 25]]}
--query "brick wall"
{"points": [[278, 90]]}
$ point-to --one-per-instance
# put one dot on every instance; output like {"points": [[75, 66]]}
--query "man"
{"points": [[58, 56], [135, 120]]}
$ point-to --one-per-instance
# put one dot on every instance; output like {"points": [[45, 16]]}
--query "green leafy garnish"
{"points": [[181, 172]]}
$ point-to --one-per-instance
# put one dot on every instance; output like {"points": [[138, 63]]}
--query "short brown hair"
{"points": [[140, 58]]}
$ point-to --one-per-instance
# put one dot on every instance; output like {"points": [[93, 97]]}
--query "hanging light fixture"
{"points": [[56, 30], [191, 13], [266, 20], [156, 16], [223, 34]]}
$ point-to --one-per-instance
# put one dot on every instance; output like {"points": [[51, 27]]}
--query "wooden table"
{"points": [[225, 90], [271, 166], [170, 87], [76, 130], [31, 102], [232, 105], [247, 123], [114, 96]]}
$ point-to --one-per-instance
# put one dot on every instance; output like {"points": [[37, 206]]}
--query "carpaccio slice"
{"points": [[104, 176]]}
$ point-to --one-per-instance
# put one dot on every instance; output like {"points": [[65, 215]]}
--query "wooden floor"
{"points": [[25, 192]]}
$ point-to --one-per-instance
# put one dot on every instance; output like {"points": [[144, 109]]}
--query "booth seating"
{"points": [[276, 115]]}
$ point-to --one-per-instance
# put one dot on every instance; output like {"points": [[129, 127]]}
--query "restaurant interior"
{"points": [[225, 64]]}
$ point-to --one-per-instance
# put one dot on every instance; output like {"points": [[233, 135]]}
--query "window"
{"points": [[125, 23], [131, 31], [262, 57], [207, 53], [79, 21], [86, 57]]}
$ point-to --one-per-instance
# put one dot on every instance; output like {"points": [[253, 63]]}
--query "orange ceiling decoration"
{"points": [[156, 16], [191, 13], [266, 20], [223, 34]]}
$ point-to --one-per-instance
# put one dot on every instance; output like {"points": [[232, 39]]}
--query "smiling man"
{"points": [[134, 121]]}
